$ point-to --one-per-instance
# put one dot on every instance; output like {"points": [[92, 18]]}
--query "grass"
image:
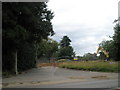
{"points": [[100, 66], [7, 74]]}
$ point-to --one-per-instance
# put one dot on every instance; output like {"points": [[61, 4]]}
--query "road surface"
{"points": [[89, 84], [54, 77]]}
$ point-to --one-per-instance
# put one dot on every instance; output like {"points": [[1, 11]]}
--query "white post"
{"points": [[16, 70]]}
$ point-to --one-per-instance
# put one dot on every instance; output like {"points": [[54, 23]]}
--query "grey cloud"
{"points": [[81, 33]]}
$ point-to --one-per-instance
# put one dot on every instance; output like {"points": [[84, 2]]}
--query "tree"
{"points": [[116, 41], [13, 33], [65, 41], [66, 51], [109, 47], [48, 48], [113, 46], [89, 56], [24, 24]]}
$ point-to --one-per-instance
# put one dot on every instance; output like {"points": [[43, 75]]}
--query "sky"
{"points": [[86, 22]]}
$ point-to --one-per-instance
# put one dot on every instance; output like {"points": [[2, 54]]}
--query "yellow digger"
{"points": [[104, 51]]}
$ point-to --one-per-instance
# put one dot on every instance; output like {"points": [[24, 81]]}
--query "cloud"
{"points": [[86, 22]]}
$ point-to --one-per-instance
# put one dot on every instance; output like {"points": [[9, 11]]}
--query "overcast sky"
{"points": [[85, 22]]}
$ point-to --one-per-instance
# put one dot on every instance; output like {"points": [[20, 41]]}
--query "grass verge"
{"points": [[99, 66]]}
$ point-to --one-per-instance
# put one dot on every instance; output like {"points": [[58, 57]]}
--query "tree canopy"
{"points": [[48, 48], [24, 25], [65, 41], [116, 41], [66, 51], [112, 46]]}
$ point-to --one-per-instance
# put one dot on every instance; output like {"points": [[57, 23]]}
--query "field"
{"points": [[101, 66]]}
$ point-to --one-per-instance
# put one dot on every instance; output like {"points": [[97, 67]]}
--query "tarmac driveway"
{"points": [[52, 75]]}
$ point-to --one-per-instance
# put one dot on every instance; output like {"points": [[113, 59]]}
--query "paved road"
{"points": [[89, 84], [52, 77]]}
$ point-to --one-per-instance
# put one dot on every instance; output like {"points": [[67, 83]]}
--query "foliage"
{"points": [[89, 56], [66, 51], [113, 46], [92, 66], [48, 48], [26, 57], [24, 25], [109, 47], [116, 41], [65, 41]]}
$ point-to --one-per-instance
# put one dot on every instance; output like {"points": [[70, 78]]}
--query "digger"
{"points": [[104, 51]]}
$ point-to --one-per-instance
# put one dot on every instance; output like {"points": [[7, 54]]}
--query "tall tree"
{"points": [[65, 41], [66, 51], [24, 22], [113, 46], [116, 41]]}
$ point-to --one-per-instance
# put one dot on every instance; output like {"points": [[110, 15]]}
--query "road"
{"points": [[54, 77], [89, 84]]}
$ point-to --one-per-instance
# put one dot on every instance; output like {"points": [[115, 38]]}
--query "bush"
{"points": [[26, 57]]}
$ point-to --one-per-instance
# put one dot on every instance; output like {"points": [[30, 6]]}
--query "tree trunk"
{"points": [[36, 58], [36, 54], [16, 69], [49, 59]]}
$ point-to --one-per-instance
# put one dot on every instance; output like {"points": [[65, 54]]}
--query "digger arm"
{"points": [[104, 51]]}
